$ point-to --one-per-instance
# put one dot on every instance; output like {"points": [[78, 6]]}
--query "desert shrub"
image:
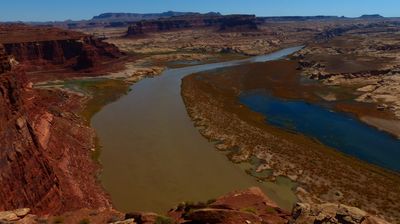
{"points": [[163, 220], [181, 206], [41, 221], [270, 210], [210, 201], [58, 220], [84, 221], [250, 210]]}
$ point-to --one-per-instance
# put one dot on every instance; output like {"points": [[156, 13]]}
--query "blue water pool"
{"points": [[338, 130]]}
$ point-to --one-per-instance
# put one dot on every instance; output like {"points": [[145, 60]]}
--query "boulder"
{"points": [[305, 213], [126, 221], [8, 216], [22, 212], [210, 215]]}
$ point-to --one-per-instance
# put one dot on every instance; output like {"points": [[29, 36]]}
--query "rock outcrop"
{"points": [[248, 206], [54, 46], [299, 18], [220, 23], [41, 166], [364, 26], [333, 32], [333, 213], [125, 17], [5, 64], [27, 178], [372, 16], [364, 56]]}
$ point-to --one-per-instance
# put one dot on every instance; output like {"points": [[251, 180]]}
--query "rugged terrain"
{"points": [[46, 48], [247, 206], [217, 22], [364, 58], [53, 80], [265, 39], [322, 174]]}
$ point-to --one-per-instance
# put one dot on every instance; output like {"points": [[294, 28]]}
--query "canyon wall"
{"points": [[42, 166], [365, 27], [54, 46], [5, 64], [220, 23], [78, 53], [26, 179]]}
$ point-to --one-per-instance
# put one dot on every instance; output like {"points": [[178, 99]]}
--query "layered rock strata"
{"points": [[221, 23], [42, 166], [43, 46]]}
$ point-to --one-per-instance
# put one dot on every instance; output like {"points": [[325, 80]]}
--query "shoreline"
{"points": [[204, 113], [389, 126]]}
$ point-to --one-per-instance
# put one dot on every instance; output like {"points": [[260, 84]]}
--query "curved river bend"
{"points": [[152, 155]]}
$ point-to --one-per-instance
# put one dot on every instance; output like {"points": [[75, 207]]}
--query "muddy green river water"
{"points": [[153, 157]]}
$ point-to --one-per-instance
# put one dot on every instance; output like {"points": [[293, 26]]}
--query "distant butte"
{"points": [[220, 23]]}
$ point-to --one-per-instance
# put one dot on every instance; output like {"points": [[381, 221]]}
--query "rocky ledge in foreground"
{"points": [[248, 206]]}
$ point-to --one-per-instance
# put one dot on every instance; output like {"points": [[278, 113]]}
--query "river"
{"points": [[153, 157]]}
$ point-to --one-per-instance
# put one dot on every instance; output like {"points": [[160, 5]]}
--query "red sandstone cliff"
{"points": [[5, 64], [45, 148], [45, 45], [27, 178]]}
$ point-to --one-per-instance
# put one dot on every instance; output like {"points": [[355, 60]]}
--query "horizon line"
{"points": [[139, 13]]}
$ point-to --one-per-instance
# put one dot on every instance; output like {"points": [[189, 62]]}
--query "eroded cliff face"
{"points": [[219, 23], [45, 147], [5, 64], [78, 53], [55, 47], [27, 178]]}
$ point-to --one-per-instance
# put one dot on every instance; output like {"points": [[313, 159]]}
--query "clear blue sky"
{"points": [[50, 10]]}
